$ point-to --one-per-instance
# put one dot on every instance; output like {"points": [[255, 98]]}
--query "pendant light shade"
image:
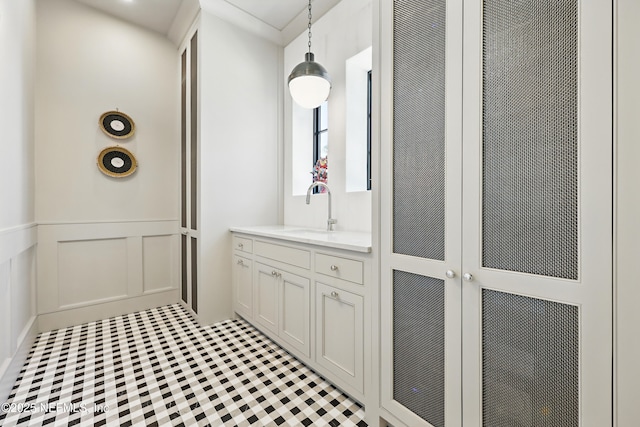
{"points": [[309, 82]]}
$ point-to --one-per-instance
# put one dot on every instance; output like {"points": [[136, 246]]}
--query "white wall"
{"points": [[627, 213], [341, 33], [90, 63], [239, 149], [17, 228]]}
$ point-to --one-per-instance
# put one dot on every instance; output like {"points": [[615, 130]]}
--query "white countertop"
{"points": [[349, 240]]}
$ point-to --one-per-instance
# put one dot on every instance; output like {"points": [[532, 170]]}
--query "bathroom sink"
{"points": [[311, 232], [349, 240]]}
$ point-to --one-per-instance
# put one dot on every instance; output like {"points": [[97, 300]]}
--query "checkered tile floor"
{"points": [[159, 367]]}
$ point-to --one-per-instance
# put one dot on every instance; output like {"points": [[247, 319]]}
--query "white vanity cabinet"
{"points": [[312, 299]]}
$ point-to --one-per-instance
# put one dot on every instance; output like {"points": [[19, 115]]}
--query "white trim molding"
{"points": [[91, 270], [17, 301]]}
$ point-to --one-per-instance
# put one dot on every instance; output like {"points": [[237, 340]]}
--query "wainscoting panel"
{"points": [[17, 301], [158, 260], [5, 305], [89, 271], [23, 295]]}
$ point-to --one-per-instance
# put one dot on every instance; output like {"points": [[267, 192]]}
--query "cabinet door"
{"points": [[189, 173], [266, 311], [421, 139], [537, 213], [294, 311], [243, 286], [339, 335]]}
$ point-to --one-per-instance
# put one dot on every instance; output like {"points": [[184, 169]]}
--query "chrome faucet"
{"points": [[330, 221]]}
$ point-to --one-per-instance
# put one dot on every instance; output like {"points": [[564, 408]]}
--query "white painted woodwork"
{"points": [[453, 217], [91, 270], [339, 334], [158, 263], [97, 263], [293, 304], [340, 268], [5, 313], [289, 255], [243, 286], [243, 245], [189, 171], [18, 317], [592, 292], [267, 296], [294, 311], [18, 235], [627, 212]]}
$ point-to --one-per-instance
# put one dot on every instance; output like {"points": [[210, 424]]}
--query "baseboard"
{"points": [[92, 313], [11, 371]]}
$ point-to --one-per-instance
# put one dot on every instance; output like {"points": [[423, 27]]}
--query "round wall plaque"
{"points": [[117, 162], [117, 125]]}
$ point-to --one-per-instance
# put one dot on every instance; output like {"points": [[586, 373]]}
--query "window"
{"points": [[369, 130], [320, 144], [358, 122]]}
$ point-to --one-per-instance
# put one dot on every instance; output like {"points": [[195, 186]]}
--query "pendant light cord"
{"points": [[309, 26]]}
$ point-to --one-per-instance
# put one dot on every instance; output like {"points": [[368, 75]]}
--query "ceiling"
{"points": [[158, 15]]}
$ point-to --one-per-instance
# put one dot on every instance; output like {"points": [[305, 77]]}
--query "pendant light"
{"points": [[309, 82]]}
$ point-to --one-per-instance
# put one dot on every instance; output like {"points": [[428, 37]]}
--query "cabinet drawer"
{"points": [[341, 268], [242, 244], [286, 254]]}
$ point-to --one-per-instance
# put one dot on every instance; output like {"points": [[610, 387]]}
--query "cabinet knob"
{"points": [[240, 246], [468, 277], [334, 267], [240, 262], [450, 274], [334, 294], [274, 273]]}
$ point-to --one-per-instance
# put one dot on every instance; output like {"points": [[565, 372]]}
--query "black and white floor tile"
{"points": [[159, 367]]}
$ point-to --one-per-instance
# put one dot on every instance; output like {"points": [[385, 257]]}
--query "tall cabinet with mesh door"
{"points": [[189, 171], [496, 212]]}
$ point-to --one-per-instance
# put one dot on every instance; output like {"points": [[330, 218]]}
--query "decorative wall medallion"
{"points": [[117, 125], [117, 162]]}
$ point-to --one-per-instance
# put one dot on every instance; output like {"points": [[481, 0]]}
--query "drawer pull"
{"points": [[334, 294], [240, 246], [240, 262], [334, 267]]}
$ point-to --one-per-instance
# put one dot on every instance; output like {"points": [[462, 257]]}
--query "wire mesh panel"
{"points": [[419, 128], [530, 145], [530, 370], [418, 345]]}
